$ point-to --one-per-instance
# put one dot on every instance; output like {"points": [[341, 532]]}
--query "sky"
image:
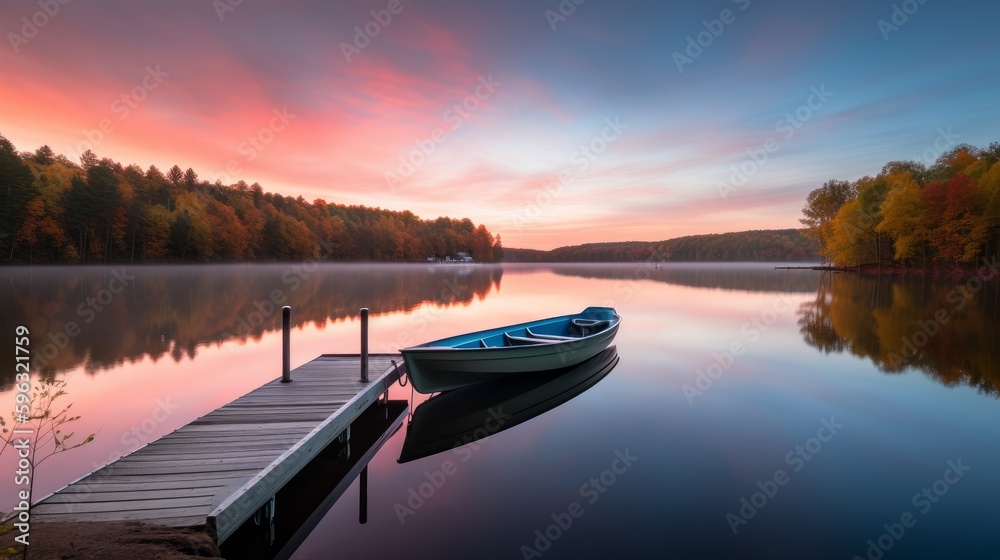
{"points": [[552, 122]]}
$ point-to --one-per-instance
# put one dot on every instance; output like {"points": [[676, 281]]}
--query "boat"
{"points": [[542, 345], [453, 418]]}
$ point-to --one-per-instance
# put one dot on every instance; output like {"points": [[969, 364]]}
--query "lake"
{"points": [[754, 413]]}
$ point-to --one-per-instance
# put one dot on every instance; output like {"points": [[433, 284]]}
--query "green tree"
{"points": [[17, 188], [106, 196], [88, 159], [44, 156], [190, 232], [175, 175], [286, 239]]}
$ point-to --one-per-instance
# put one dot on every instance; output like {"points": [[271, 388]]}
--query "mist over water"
{"points": [[764, 413]]}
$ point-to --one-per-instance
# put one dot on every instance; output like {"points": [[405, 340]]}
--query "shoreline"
{"points": [[110, 539], [991, 265]]}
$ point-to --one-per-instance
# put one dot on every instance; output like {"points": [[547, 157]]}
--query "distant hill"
{"points": [[754, 245]]}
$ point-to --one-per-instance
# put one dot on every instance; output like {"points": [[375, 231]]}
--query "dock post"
{"points": [[363, 503], [286, 344], [364, 345]]}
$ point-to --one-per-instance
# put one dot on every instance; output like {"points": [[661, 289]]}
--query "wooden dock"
{"points": [[817, 267], [221, 468]]}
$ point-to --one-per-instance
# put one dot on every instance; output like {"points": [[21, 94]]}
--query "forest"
{"points": [[743, 246], [53, 210], [912, 215]]}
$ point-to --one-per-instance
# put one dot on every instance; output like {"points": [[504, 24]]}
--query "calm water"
{"points": [[753, 414]]}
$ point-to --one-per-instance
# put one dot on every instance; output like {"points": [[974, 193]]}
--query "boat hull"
{"points": [[444, 365]]}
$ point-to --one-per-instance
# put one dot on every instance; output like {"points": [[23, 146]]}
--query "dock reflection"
{"points": [[471, 413], [277, 531]]}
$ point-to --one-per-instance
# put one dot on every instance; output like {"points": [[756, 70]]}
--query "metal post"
{"points": [[364, 345], [286, 344], [363, 504]]}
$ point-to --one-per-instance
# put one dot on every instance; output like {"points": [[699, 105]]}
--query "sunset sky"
{"points": [[550, 122]]}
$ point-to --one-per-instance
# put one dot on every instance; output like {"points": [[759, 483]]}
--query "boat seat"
{"points": [[548, 336], [589, 326], [524, 341]]}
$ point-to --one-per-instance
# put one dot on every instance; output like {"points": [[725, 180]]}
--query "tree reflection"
{"points": [[102, 316], [744, 277], [947, 329]]}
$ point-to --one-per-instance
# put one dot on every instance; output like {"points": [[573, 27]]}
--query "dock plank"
{"points": [[220, 468]]}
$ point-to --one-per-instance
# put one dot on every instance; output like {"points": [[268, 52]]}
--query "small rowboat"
{"points": [[543, 345]]}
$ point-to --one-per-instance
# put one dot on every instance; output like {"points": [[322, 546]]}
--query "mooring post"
{"points": [[363, 503], [286, 343], [364, 345]]}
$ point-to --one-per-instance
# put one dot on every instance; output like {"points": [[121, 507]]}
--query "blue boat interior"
{"points": [[552, 332]]}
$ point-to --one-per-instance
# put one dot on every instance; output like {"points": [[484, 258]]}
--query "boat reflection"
{"points": [[464, 415]]}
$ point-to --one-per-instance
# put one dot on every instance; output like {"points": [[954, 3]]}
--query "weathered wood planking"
{"points": [[219, 469]]}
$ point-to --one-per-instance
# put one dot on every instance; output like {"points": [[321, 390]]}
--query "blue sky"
{"points": [[365, 117]]}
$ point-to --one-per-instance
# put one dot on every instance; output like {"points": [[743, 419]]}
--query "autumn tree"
{"points": [[962, 213], [988, 227], [43, 235], [821, 207], [482, 245], [951, 163], [229, 237], [853, 235], [848, 240], [103, 211], [903, 216], [190, 232], [154, 237], [954, 219]]}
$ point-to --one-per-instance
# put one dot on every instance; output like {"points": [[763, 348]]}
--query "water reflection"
{"points": [[747, 277], [102, 316], [464, 415], [947, 329], [300, 505]]}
